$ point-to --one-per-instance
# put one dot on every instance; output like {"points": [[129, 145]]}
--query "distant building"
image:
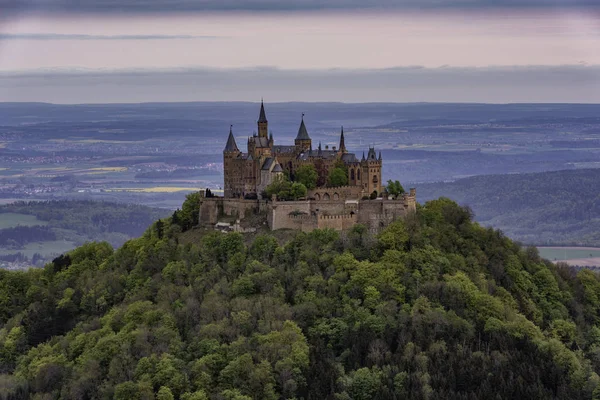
{"points": [[248, 174]]}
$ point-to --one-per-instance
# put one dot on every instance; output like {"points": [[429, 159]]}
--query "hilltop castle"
{"points": [[362, 201], [248, 174]]}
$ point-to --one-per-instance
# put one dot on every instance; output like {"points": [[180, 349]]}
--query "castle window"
{"points": [[352, 174], [375, 180], [326, 196], [358, 174], [336, 196], [317, 196]]}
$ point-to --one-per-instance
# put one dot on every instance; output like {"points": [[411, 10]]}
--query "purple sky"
{"points": [[51, 52]]}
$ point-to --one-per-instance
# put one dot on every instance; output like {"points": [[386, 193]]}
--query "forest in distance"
{"points": [[435, 306], [33, 233], [549, 208]]}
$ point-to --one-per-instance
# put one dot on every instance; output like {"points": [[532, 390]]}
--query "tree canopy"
{"points": [[337, 177], [434, 306], [307, 175], [284, 189], [395, 188]]}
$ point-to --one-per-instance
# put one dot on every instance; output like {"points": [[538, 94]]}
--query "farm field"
{"points": [[10, 220], [582, 256], [48, 249]]}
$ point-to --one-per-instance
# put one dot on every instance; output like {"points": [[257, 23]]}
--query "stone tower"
{"points": [[371, 172], [230, 168]]}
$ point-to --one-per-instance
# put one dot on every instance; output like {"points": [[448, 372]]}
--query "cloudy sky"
{"points": [[72, 51]]}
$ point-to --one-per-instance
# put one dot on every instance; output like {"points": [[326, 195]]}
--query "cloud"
{"points": [[59, 36], [167, 6], [536, 84]]}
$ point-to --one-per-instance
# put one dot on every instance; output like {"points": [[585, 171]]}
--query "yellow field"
{"points": [[109, 169]]}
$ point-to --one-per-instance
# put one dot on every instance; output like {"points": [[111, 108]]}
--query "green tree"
{"points": [[298, 190], [164, 393], [307, 175], [337, 177], [394, 188]]}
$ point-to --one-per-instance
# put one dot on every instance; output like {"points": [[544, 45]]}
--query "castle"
{"points": [[247, 175]]}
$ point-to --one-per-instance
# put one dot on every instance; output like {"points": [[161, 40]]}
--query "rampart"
{"points": [[306, 215]]}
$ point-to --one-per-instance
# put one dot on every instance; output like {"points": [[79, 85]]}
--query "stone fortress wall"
{"points": [[337, 208]]}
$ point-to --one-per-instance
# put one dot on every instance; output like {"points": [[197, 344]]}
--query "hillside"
{"points": [[434, 307], [558, 208]]}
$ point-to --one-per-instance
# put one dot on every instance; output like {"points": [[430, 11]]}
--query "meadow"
{"points": [[11, 220], [569, 253]]}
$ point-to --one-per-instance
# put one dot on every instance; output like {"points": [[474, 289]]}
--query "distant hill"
{"points": [[560, 207], [35, 232]]}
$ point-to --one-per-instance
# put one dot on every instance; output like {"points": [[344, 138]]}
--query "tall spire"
{"points": [[342, 142], [363, 159], [380, 155], [263, 116], [231, 146]]}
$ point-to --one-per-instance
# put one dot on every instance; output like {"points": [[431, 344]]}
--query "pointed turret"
{"points": [[363, 159], [263, 116], [263, 125], [342, 142], [303, 141], [302, 132], [371, 155], [231, 146], [380, 156]]}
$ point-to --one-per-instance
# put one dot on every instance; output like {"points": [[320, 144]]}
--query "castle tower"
{"points": [[230, 153], [371, 171], [303, 141], [263, 124]]}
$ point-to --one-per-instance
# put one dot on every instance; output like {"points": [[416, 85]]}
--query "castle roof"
{"points": [[284, 149], [262, 117], [267, 164], [231, 146], [277, 168], [260, 141], [302, 132], [371, 155], [349, 158]]}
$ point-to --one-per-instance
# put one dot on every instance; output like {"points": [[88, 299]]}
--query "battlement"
{"points": [[342, 216]]}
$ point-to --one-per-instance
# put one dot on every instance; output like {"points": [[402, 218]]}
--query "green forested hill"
{"points": [[436, 307], [560, 207]]}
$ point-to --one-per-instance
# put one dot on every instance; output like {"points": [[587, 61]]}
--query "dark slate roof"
{"points": [[260, 141], [267, 165], [278, 168], [349, 158], [302, 132], [284, 149], [231, 145], [372, 155], [342, 141], [262, 117], [317, 154]]}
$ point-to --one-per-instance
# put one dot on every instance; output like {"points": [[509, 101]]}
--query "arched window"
{"points": [[358, 174], [352, 174], [336, 196], [326, 196], [317, 196], [375, 180]]}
